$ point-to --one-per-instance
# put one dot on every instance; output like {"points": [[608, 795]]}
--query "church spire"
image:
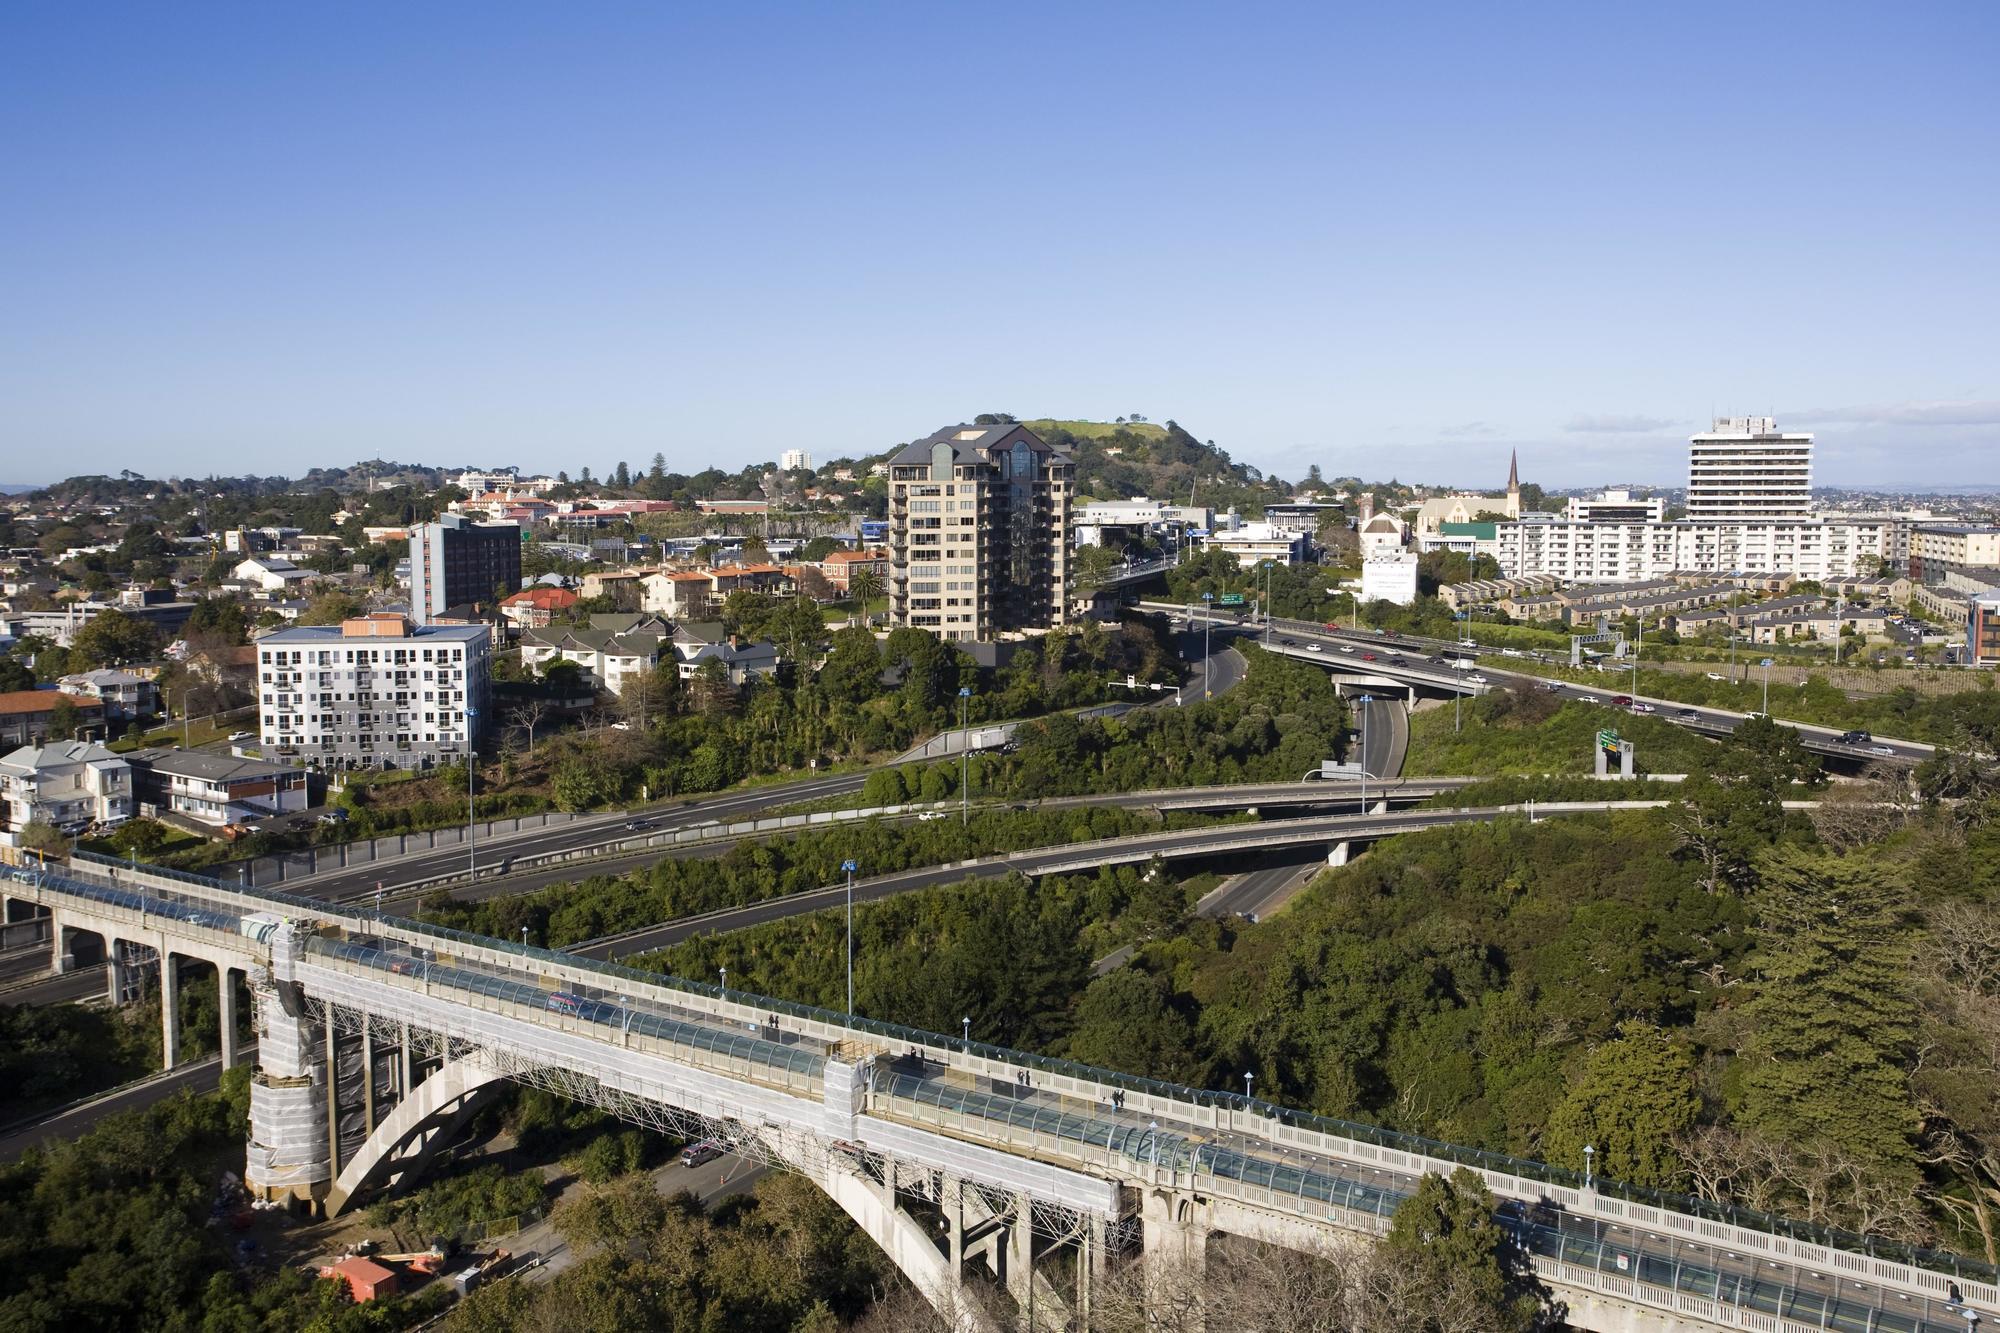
{"points": [[1514, 470]]}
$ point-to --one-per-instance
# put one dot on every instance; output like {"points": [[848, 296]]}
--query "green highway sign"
{"points": [[1232, 599]]}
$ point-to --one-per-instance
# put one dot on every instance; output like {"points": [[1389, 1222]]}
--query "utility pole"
{"points": [[964, 760], [1207, 619], [849, 867], [471, 761]]}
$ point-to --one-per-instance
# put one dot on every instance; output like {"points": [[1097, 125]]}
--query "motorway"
{"points": [[1220, 839], [1416, 660], [201, 1075], [1255, 894], [355, 883]]}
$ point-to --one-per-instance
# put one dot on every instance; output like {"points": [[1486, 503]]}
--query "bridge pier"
{"points": [[225, 995], [170, 1010], [1338, 854]]}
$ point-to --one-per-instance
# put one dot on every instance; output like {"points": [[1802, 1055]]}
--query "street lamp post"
{"points": [[850, 867], [1247, 1078], [1269, 565], [1207, 618], [725, 977], [1638, 646], [964, 760], [1589, 1176], [524, 937], [471, 760], [1767, 687], [1364, 701], [965, 1030]]}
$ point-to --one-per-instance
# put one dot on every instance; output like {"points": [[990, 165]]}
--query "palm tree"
{"points": [[864, 586]]}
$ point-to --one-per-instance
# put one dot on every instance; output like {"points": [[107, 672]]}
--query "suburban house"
{"points": [[840, 567], [270, 574], [698, 643], [680, 594], [124, 695], [534, 608], [24, 714], [610, 651], [214, 789], [70, 784]]}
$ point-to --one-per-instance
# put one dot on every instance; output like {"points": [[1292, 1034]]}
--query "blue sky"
{"points": [[1385, 239]]}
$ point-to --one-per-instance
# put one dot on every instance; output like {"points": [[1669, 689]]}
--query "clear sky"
{"points": [[1388, 239]]}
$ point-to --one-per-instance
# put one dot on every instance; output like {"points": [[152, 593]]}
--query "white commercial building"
{"points": [[1254, 543], [374, 691], [1615, 507], [1389, 578], [1745, 468]]}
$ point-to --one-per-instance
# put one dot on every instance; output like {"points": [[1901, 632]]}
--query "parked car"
{"points": [[1715, 675], [236, 736]]}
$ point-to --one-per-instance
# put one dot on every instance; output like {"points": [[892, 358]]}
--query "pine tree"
{"points": [[1832, 1022], [623, 477]]}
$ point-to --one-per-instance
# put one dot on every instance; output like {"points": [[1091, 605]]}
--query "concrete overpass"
{"points": [[378, 1034]]}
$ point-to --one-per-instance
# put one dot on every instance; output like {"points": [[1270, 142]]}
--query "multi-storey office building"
{"points": [[978, 532], [455, 561], [1746, 469], [1939, 549], [374, 691]]}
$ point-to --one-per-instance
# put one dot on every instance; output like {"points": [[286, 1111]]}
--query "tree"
{"points": [[112, 638], [528, 715], [864, 586], [65, 719], [329, 608], [622, 478], [1831, 1023], [1446, 1234], [1127, 1020], [15, 675], [1632, 1096], [853, 667], [37, 836], [1093, 565]]}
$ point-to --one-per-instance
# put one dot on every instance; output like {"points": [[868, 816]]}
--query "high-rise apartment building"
{"points": [[455, 561], [373, 691], [1744, 468], [796, 460], [979, 532]]}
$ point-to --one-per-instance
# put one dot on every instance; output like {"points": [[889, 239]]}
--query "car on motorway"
{"points": [[1399, 661], [1855, 737], [1512, 652], [636, 825], [1332, 626], [1586, 698], [1390, 634], [1553, 686], [1367, 657], [1641, 706], [1314, 648], [1621, 701], [696, 1154], [1686, 714], [1881, 749], [1476, 679], [1346, 647]]}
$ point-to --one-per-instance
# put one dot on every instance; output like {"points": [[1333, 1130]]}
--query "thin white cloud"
{"points": [[1615, 424], [1951, 413], [1467, 428]]}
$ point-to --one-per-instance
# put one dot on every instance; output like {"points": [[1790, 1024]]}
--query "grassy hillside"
{"points": [[1098, 430]]}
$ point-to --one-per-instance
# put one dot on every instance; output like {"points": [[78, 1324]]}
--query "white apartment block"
{"points": [[796, 460], [1254, 543], [1577, 552], [374, 691], [979, 522], [507, 481], [1746, 469], [69, 784]]}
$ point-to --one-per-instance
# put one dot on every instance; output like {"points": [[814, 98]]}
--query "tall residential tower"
{"points": [[979, 532], [1744, 469]]}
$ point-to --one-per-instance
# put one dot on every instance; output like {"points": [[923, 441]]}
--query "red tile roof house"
{"points": [[24, 715], [535, 608]]}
